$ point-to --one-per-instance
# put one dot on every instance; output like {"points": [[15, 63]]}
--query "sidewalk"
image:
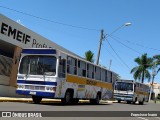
{"points": [[157, 102], [44, 100]]}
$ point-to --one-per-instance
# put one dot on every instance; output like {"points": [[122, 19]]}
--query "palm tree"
{"points": [[89, 56], [157, 62], [141, 72]]}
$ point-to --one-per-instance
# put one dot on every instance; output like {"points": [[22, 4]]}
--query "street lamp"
{"points": [[104, 36], [127, 24]]}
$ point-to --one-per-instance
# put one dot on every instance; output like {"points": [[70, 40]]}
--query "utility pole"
{"points": [[153, 75], [103, 36], [99, 48]]}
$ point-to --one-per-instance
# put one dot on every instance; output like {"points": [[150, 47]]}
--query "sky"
{"points": [[70, 17]]}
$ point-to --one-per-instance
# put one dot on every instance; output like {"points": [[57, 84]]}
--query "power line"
{"points": [[125, 45], [65, 24], [118, 55], [140, 45], [113, 56]]}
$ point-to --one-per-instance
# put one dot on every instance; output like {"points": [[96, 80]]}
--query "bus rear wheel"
{"points": [[95, 101], [36, 99], [141, 102]]}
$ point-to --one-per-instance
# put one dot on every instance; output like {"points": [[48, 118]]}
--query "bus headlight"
{"points": [[51, 88], [21, 86], [47, 88]]}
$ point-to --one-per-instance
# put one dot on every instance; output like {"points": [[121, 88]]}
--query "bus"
{"points": [[131, 91], [51, 73]]}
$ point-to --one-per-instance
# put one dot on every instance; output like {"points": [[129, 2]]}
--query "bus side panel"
{"points": [[83, 88]]}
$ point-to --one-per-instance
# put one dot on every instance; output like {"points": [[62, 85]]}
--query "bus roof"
{"points": [[38, 51]]}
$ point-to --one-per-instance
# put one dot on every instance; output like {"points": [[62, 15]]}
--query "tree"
{"points": [[141, 72], [89, 56], [157, 61]]}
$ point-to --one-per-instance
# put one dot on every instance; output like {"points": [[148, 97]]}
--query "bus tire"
{"points": [[141, 102], [36, 99], [97, 100], [67, 98], [119, 101], [134, 102]]}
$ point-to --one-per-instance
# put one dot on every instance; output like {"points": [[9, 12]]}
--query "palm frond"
{"points": [[147, 75], [134, 69], [141, 72], [158, 70], [137, 60]]}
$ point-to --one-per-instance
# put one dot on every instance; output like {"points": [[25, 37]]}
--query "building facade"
{"points": [[155, 91], [14, 37]]}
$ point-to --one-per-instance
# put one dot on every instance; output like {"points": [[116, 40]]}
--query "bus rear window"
{"points": [[38, 65]]}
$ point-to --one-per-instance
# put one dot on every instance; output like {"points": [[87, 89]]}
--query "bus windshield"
{"points": [[124, 86], [38, 65]]}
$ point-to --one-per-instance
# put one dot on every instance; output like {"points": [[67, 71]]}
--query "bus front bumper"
{"points": [[36, 93], [122, 98]]}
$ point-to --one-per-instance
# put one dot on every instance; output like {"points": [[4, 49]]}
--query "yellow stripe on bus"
{"points": [[75, 79], [85, 81], [142, 93]]}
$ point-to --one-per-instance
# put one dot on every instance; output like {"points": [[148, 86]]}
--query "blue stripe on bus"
{"points": [[37, 82], [39, 51], [38, 93]]}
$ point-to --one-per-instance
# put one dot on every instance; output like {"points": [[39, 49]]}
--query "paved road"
{"points": [[14, 106]]}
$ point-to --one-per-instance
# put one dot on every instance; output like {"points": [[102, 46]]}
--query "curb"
{"points": [[29, 101], [7, 99]]}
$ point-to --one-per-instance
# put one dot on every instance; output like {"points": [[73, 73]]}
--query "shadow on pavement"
{"points": [[79, 104]]}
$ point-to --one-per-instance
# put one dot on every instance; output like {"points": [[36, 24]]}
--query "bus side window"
{"points": [[103, 74], [97, 73], [62, 67], [81, 68], [71, 65], [90, 71], [109, 76]]}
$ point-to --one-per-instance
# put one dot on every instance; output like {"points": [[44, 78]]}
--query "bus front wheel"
{"points": [[36, 99], [134, 102], [67, 98]]}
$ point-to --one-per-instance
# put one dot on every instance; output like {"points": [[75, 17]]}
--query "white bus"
{"points": [[131, 91], [50, 73]]}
